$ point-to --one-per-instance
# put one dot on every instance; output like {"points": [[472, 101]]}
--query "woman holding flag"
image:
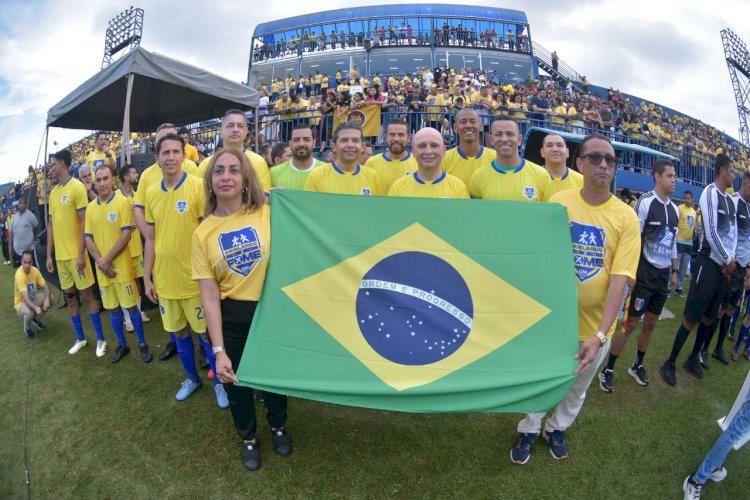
{"points": [[230, 258]]}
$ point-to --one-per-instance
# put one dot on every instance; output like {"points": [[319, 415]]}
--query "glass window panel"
{"points": [[406, 61]]}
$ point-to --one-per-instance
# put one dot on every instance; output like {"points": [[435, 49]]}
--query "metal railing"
{"points": [[565, 71]]}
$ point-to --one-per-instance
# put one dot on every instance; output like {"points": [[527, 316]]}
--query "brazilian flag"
{"points": [[419, 305]]}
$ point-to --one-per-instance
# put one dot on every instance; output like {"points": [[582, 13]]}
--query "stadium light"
{"points": [[738, 63], [124, 31]]}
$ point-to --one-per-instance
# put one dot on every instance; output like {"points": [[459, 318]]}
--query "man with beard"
{"points": [[397, 161], [463, 160], [293, 173]]}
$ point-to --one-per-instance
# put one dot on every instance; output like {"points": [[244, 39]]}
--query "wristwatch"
{"points": [[217, 349], [602, 337]]}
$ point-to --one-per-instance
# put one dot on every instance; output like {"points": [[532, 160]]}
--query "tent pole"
{"points": [[124, 146], [44, 176], [257, 132]]}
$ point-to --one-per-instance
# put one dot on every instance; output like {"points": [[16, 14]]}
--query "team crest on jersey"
{"points": [[181, 206], [241, 250], [366, 192], [64, 199], [529, 192], [112, 217], [690, 221], [664, 245], [639, 303], [588, 249]]}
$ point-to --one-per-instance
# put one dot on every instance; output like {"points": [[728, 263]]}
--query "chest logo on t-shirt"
{"points": [[31, 291], [112, 217], [690, 221], [366, 191], [529, 192], [664, 245], [588, 249], [64, 199], [241, 250], [181, 206]]}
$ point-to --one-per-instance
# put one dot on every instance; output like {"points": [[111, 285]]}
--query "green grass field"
{"points": [[98, 430]]}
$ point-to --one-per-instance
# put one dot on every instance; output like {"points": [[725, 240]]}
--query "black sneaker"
{"points": [[694, 367], [146, 355], [251, 455], [282, 443], [521, 452], [719, 354], [703, 358], [120, 353], [607, 380], [557, 445], [680, 293], [169, 351], [667, 373], [38, 324], [639, 374]]}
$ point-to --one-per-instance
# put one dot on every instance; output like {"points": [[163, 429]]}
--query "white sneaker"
{"points": [[692, 490], [129, 327], [144, 317], [718, 475], [101, 348], [80, 344]]}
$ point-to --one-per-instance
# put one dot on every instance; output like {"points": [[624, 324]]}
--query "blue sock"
{"points": [[96, 320], [115, 318], [172, 338], [78, 327], [210, 357], [186, 353], [135, 318]]}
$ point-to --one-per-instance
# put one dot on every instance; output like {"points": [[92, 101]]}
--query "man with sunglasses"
{"points": [[606, 246], [714, 266]]}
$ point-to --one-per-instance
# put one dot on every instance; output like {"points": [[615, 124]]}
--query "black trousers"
{"points": [[236, 318], [6, 255]]}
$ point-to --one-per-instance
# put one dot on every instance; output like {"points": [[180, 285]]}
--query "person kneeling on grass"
{"points": [[230, 258], [30, 304]]}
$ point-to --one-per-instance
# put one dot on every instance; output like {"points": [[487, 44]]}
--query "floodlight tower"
{"points": [[123, 32], [738, 62]]}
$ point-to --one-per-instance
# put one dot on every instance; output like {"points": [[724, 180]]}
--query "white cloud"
{"points": [[667, 52]]}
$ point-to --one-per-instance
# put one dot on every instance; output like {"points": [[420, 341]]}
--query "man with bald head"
{"points": [[429, 181], [463, 160]]}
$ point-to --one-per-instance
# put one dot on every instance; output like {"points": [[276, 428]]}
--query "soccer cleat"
{"points": [[692, 489], [639, 374], [719, 354], [694, 367], [667, 373], [29, 333], [222, 400], [718, 475], [169, 351], [80, 344], [101, 348], [558, 448], [251, 456], [187, 388], [120, 353], [38, 324], [703, 358], [129, 327], [282, 443], [607, 380], [146, 355], [144, 317], [521, 452]]}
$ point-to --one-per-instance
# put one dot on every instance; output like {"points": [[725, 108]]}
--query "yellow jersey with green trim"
{"points": [[288, 176], [31, 283], [65, 201], [570, 180], [105, 222], [174, 214], [456, 163], [606, 241], [389, 170], [135, 245], [234, 251], [152, 176], [686, 224], [527, 182], [445, 186], [329, 178], [256, 160]]}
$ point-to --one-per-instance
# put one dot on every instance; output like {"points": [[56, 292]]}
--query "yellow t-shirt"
{"points": [[390, 170], [42, 188], [29, 282], [135, 245], [152, 176], [284, 107], [65, 201], [456, 163], [256, 160], [445, 186], [288, 176], [436, 104], [606, 240], [234, 251], [571, 180], [175, 213], [520, 106], [96, 159], [329, 178], [191, 153], [686, 224], [527, 182], [561, 110], [105, 223]]}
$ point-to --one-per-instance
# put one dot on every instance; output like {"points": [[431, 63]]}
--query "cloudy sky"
{"points": [[669, 52]]}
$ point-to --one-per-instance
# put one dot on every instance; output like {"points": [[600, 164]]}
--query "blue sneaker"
{"points": [[29, 333], [38, 324], [557, 445], [187, 388], [521, 452], [221, 396]]}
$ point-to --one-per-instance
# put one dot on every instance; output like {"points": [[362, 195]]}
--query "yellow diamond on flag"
{"points": [[414, 309]]}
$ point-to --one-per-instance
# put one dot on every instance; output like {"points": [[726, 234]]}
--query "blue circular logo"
{"points": [[414, 308]]}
